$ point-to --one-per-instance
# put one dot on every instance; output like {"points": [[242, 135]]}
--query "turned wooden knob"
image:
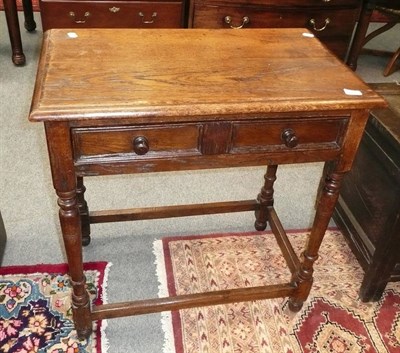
{"points": [[289, 138], [140, 145]]}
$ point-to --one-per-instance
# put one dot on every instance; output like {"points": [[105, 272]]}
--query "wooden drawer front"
{"points": [[113, 14], [340, 21], [318, 135], [287, 3], [213, 138], [119, 142]]}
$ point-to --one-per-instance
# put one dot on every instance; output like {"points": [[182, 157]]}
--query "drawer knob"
{"points": [[79, 21], [228, 21], [313, 22], [140, 145], [289, 138], [153, 16]]}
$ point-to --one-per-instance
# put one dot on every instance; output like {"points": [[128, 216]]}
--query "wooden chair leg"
{"points": [[391, 66]]}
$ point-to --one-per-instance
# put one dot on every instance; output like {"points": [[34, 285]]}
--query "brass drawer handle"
{"points": [[86, 15], [141, 145], [153, 16], [228, 21], [289, 138], [114, 9], [313, 23]]}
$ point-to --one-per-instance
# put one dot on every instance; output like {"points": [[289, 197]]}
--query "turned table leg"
{"points": [[303, 278], [71, 231], [65, 184], [266, 198]]}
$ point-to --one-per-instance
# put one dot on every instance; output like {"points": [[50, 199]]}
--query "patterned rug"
{"points": [[35, 309], [333, 320]]}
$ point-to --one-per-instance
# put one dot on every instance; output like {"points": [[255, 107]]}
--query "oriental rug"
{"points": [[333, 319], [35, 309]]}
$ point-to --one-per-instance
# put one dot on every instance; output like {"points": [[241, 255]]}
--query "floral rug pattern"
{"points": [[35, 309]]}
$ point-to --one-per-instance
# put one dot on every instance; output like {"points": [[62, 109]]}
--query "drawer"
{"points": [[322, 23], [284, 135], [286, 3], [213, 138], [113, 14], [129, 142], [333, 27]]}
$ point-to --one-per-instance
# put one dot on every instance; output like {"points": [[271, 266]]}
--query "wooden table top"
{"points": [[161, 74]]}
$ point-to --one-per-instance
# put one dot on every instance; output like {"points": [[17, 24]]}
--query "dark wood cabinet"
{"points": [[368, 211], [332, 21]]}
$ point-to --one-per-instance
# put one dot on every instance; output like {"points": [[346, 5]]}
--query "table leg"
{"points": [[71, 231], [10, 9], [266, 198], [30, 24], [83, 211], [65, 183], [303, 278]]}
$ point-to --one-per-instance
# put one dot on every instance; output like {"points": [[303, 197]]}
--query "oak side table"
{"points": [[135, 101]]}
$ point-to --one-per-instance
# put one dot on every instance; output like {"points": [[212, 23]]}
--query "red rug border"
{"points": [[175, 317], [62, 268]]}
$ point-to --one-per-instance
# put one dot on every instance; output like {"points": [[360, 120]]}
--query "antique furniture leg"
{"points": [[64, 182], [359, 35], [325, 206], [83, 211], [29, 24], [391, 66], [10, 9], [266, 198]]}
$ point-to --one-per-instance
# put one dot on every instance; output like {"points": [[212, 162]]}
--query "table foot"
{"points": [[295, 305], [18, 59], [81, 311], [260, 226], [30, 25], [86, 240]]}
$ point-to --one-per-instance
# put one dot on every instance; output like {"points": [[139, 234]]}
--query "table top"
{"points": [[161, 74]]}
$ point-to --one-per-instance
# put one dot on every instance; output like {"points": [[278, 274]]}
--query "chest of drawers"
{"points": [[332, 21], [111, 14]]}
